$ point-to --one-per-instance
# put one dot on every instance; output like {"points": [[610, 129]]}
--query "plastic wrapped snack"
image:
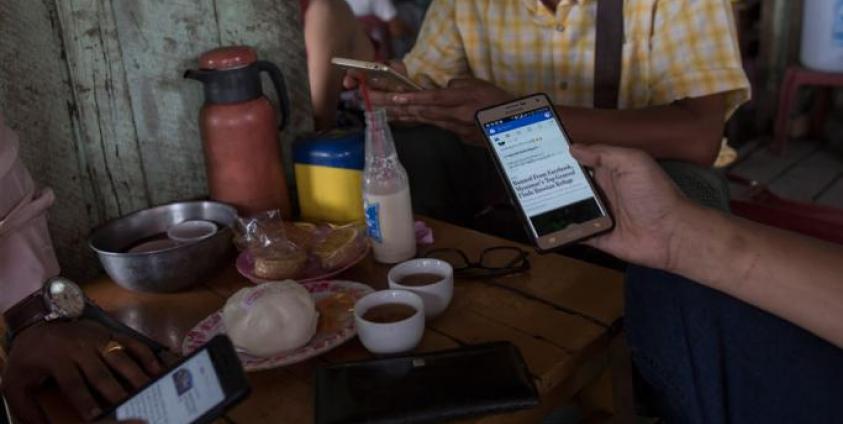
{"points": [[265, 237], [279, 250], [280, 262]]}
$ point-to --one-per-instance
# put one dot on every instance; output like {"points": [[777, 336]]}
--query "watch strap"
{"points": [[29, 311]]}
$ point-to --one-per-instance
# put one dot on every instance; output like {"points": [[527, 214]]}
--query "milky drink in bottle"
{"points": [[386, 195]]}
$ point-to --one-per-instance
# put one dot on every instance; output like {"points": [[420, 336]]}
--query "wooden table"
{"points": [[559, 314]]}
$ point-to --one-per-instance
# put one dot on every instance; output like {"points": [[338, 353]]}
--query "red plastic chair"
{"points": [[795, 78], [760, 205]]}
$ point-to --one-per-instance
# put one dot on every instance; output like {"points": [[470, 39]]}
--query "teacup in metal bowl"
{"points": [[174, 267]]}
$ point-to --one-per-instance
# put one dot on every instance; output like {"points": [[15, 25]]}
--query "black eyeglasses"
{"points": [[494, 261]]}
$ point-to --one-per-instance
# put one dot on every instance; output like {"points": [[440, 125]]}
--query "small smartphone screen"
{"points": [[181, 396], [548, 182]]}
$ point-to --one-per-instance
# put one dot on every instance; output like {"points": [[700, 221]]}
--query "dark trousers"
{"points": [[709, 358]]}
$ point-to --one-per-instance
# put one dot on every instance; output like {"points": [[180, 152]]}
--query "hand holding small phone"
{"points": [[196, 390], [381, 77]]}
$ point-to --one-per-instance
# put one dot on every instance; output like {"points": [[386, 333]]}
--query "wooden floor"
{"points": [[809, 170]]}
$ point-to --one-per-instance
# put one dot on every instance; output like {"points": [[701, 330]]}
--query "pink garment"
{"points": [[26, 252]]}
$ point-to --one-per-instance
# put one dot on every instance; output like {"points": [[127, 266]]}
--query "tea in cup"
{"points": [[431, 279], [389, 321]]}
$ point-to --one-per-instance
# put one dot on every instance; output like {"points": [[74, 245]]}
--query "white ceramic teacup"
{"points": [[390, 337], [436, 296], [191, 231]]}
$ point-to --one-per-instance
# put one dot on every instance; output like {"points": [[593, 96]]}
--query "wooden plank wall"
{"points": [[95, 90]]}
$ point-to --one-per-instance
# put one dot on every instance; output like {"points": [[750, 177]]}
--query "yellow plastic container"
{"points": [[329, 172]]}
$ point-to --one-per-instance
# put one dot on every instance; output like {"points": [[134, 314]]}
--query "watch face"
{"points": [[66, 299]]}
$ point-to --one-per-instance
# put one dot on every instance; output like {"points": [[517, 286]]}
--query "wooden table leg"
{"points": [[620, 366]]}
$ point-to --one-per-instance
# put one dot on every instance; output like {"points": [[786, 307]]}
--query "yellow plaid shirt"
{"points": [[673, 49]]}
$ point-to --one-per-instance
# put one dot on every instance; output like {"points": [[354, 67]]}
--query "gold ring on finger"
{"points": [[112, 346]]}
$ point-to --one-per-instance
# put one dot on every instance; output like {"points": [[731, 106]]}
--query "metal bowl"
{"points": [[171, 269]]}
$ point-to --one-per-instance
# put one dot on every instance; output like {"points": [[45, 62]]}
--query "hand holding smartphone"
{"points": [[383, 74], [196, 390], [557, 199]]}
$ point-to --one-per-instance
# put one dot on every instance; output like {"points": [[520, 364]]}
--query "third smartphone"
{"points": [[557, 198], [373, 70], [199, 389]]}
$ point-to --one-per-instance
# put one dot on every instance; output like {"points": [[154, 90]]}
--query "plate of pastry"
{"points": [[314, 252], [282, 322]]}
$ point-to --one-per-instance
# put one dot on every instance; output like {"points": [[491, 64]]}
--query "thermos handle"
{"points": [[280, 88]]}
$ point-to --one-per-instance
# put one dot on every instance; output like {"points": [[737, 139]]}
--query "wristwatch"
{"points": [[59, 299]]}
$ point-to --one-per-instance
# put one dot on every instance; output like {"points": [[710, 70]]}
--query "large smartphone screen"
{"points": [[181, 396], [548, 182]]}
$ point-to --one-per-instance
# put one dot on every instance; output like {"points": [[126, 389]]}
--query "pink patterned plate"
{"points": [[334, 299], [313, 271]]}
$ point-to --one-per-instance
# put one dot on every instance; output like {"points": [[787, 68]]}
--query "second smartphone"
{"points": [[199, 389], [557, 198], [374, 70]]}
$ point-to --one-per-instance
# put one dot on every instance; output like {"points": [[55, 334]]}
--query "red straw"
{"points": [[364, 90], [367, 105]]}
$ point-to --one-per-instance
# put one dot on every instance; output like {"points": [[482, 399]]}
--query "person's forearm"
{"points": [[796, 278], [689, 131]]}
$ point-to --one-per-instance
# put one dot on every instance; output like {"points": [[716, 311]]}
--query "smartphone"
{"points": [[379, 71], [5, 413], [429, 387], [199, 389], [558, 201]]}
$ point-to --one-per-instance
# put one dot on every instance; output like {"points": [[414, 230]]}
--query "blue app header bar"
{"points": [[518, 121]]}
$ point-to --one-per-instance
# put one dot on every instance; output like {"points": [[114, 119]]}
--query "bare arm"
{"points": [[797, 278], [794, 277], [331, 30], [689, 130]]}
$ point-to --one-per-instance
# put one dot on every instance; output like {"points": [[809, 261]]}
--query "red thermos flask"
{"points": [[239, 128]]}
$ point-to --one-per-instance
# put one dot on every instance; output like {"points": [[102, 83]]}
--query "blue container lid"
{"points": [[336, 148]]}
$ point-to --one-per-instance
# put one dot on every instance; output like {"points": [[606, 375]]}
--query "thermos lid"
{"points": [[225, 58], [336, 149]]}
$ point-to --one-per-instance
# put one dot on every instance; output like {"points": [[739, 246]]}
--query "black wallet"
{"points": [[430, 387]]}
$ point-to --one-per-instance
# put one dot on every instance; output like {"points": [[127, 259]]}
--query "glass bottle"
{"points": [[386, 194]]}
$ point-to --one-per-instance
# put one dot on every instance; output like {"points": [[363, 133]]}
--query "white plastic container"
{"points": [[822, 35]]}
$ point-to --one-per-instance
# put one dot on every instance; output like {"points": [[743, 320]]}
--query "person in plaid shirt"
{"points": [[681, 75]]}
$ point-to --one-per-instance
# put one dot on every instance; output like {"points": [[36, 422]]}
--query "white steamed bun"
{"points": [[270, 318]]}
